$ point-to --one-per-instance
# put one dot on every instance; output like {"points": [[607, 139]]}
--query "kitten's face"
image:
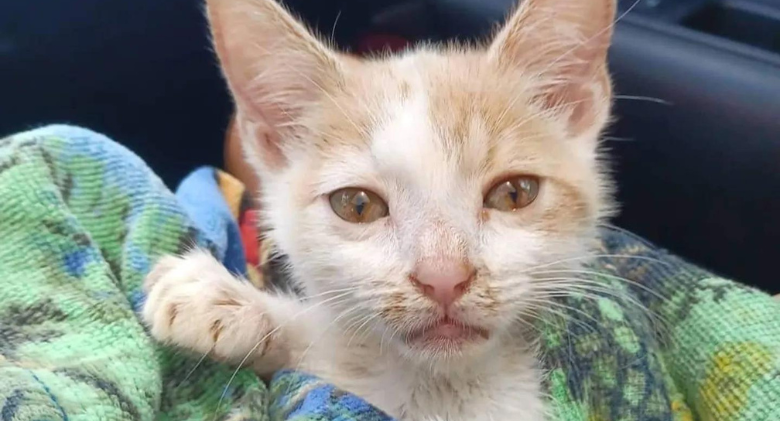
{"points": [[461, 157]]}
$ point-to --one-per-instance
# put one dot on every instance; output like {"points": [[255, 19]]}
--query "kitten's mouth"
{"points": [[446, 332]]}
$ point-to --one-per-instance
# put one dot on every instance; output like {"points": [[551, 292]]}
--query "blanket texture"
{"points": [[82, 220]]}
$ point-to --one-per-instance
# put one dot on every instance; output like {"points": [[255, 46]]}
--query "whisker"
{"points": [[595, 36], [333, 29], [556, 287], [331, 292], [595, 321], [274, 330], [521, 318], [192, 370], [382, 341], [565, 285], [617, 139], [609, 276], [369, 319], [643, 98], [543, 311], [624, 231], [597, 256], [322, 333]]}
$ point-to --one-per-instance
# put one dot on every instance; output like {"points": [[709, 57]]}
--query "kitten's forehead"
{"points": [[455, 110], [406, 139]]}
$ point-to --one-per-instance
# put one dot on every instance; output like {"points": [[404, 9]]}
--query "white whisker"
{"points": [[596, 256], [274, 330], [595, 36], [605, 275], [322, 333], [642, 98]]}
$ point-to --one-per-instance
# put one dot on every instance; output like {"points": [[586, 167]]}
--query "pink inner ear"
{"points": [[269, 145], [262, 141], [564, 44], [580, 102], [274, 68]]}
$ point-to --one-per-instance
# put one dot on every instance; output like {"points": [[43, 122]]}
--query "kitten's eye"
{"points": [[358, 205], [513, 193]]}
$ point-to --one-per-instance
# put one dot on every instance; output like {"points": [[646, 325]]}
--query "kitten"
{"points": [[414, 196]]}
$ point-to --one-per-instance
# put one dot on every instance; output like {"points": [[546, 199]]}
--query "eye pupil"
{"points": [[513, 194], [360, 202]]}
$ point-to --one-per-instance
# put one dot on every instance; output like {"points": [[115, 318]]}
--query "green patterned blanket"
{"points": [[82, 220]]}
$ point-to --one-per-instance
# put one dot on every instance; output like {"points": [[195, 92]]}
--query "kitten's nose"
{"points": [[443, 280]]}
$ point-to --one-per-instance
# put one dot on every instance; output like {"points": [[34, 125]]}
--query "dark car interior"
{"points": [[696, 137]]}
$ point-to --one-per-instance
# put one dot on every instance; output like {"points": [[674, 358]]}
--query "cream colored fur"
{"points": [[430, 131]]}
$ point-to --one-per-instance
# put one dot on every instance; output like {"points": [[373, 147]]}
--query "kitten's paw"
{"points": [[194, 302], [160, 269]]}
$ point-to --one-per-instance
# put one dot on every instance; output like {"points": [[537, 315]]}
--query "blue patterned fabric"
{"points": [[199, 194]]}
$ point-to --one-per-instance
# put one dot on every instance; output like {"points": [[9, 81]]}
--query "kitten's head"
{"points": [[418, 196]]}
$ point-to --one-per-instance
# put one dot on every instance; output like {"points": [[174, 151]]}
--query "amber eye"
{"points": [[513, 193], [358, 205]]}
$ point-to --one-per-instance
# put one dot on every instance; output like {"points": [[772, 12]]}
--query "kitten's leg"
{"points": [[195, 303]]}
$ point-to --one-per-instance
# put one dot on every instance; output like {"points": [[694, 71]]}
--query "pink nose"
{"points": [[443, 280]]}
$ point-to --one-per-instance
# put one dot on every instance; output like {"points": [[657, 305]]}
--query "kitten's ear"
{"points": [[563, 44], [274, 66]]}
